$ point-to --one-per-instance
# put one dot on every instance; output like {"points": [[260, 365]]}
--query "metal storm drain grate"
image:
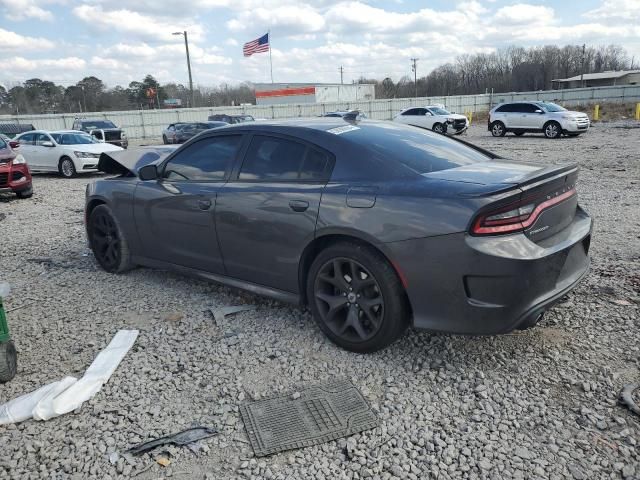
{"points": [[320, 414]]}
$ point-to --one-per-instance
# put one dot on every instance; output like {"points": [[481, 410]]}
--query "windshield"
{"points": [[439, 111], [93, 125], [73, 138], [552, 107]]}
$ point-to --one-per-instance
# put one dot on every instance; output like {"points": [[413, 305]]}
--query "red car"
{"points": [[14, 171]]}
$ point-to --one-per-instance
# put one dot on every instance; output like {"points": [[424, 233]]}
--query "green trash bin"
{"points": [[8, 354]]}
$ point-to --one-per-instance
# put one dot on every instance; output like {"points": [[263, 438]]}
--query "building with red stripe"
{"points": [[283, 93]]}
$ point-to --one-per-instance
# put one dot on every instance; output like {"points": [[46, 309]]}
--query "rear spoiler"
{"points": [[129, 162]]}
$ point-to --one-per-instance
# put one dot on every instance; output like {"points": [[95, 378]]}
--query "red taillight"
{"points": [[515, 217]]}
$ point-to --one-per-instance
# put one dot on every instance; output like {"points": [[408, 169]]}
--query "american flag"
{"points": [[258, 45]]}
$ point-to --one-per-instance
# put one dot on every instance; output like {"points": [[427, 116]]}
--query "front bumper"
{"points": [[14, 178], [576, 126], [489, 285]]}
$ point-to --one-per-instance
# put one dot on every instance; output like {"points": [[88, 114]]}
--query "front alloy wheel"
{"points": [[67, 168], [107, 240], [498, 130], [439, 128], [552, 130]]}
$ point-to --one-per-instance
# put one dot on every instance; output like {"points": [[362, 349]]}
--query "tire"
{"points": [[66, 168], [439, 128], [8, 361], [165, 140], [351, 325], [107, 240], [552, 130], [27, 193], [498, 129], [518, 134]]}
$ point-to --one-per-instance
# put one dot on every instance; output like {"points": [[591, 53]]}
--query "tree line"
{"points": [[512, 69]]}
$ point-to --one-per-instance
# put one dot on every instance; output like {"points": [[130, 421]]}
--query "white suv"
{"points": [[546, 117]]}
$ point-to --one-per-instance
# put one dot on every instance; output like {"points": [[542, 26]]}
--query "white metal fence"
{"points": [[148, 124]]}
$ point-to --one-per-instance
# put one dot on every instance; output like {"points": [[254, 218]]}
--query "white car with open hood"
{"points": [[433, 117], [67, 152]]}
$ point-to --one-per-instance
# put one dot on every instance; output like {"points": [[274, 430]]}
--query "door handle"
{"points": [[298, 205], [204, 204]]}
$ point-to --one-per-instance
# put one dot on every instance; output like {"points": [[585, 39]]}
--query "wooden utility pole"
{"points": [[341, 75], [414, 69]]}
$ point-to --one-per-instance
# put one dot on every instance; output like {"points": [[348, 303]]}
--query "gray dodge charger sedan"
{"points": [[374, 225]]}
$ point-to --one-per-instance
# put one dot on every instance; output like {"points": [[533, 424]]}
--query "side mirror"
{"points": [[47, 144], [148, 172]]}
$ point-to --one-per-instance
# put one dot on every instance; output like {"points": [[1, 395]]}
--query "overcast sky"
{"points": [[122, 40]]}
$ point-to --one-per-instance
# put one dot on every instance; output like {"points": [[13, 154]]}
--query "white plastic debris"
{"points": [[61, 397], [5, 290], [97, 374]]}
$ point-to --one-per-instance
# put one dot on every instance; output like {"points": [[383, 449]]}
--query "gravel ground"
{"points": [[536, 404]]}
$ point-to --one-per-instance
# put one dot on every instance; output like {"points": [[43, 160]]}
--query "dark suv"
{"points": [[103, 130]]}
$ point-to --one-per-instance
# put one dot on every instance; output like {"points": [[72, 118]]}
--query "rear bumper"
{"points": [[489, 285]]}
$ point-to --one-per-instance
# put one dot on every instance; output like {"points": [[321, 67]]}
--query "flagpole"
{"points": [[270, 59]]}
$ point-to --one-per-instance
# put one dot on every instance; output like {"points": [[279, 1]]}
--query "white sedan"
{"points": [[433, 117], [67, 152]]}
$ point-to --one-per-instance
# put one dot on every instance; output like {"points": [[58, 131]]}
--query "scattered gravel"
{"points": [[536, 404]]}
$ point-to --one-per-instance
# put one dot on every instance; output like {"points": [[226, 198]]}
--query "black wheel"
{"points": [[518, 134], [552, 130], [8, 361], [439, 128], [498, 129], [107, 241], [27, 193], [356, 297], [164, 139], [66, 168]]}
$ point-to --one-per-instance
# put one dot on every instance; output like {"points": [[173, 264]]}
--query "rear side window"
{"points": [[416, 111], [277, 159], [27, 139], [528, 108], [415, 151], [206, 160], [506, 108]]}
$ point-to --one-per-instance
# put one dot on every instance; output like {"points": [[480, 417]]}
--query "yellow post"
{"points": [[596, 112], [469, 115], [637, 111]]}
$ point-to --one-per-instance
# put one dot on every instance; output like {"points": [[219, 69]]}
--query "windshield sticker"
{"points": [[345, 129]]}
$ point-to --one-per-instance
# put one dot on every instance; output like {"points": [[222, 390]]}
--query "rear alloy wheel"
{"points": [[66, 168], [107, 240], [498, 129], [356, 298], [439, 128], [552, 130]]}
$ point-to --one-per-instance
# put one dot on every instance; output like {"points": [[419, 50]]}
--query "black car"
{"points": [[374, 225], [222, 117], [103, 130]]}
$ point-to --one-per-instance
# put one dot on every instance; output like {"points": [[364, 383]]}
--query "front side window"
{"points": [[41, 138], [279, 159], [206, 160]]}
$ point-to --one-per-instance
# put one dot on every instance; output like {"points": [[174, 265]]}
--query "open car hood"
{"points": [[128, 162]]}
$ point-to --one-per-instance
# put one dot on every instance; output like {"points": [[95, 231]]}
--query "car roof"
{"points": [[54, 131]]}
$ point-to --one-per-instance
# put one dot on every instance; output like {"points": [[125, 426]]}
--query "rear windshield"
{"points": [[93, 125], [415, 150]]}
